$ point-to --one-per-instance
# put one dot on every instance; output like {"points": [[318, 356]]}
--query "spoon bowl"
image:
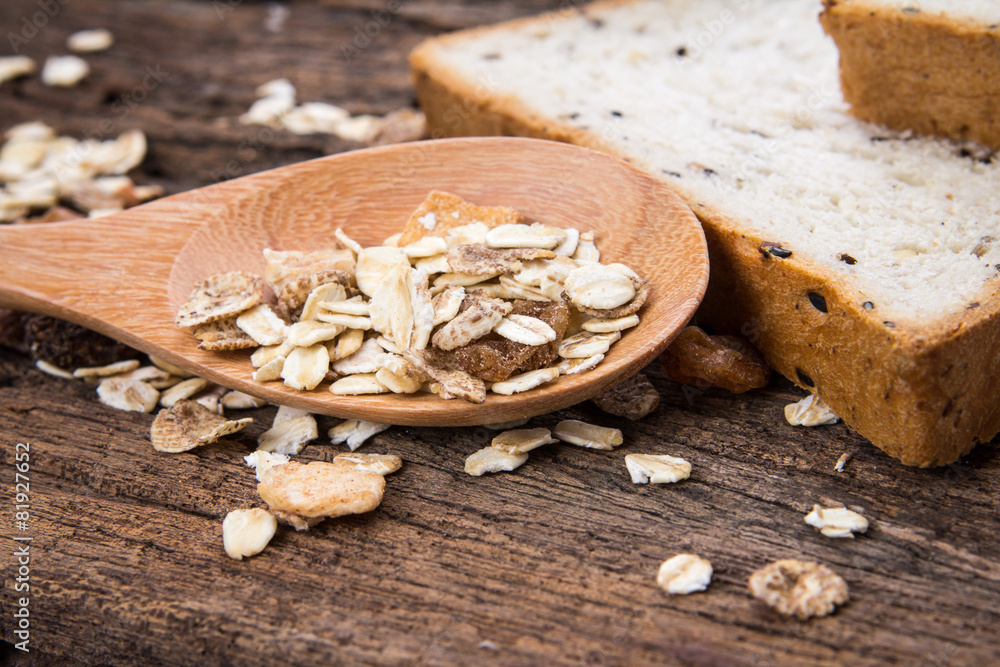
{"points": [[125, 275]]}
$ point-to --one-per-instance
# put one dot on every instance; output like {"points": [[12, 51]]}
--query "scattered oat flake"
{"points": [[355, 432], [64, 71], [289, 436], [237, 400], [220, 296], [13, 67], [489, 460], [182, 390], [187, 425], [810, 411], [116, 368], [286, 413], [314, 118], [591, 436], [246, 532], [836, 521], [657, 468], [842, 461], [90, 41], [684, 574], [260, 461], [799, 588], [383, 464], [53, 370], [127, 394], [522, 441], [320, 489], [210, 398]]}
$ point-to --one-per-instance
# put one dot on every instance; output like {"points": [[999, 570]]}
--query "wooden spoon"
{"points": [[126, 274]]}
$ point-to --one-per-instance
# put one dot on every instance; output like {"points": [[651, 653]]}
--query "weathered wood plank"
{"points": [[554, 563], [557, 559]]}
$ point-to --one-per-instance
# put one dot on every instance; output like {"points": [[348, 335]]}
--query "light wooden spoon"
{"points": [[125, 275]]}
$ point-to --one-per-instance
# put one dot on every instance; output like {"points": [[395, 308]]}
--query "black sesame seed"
{"points": [[616, 114], [781, 252], [847, 259], [681, 52], [868, 305], [671, 173], [804, 379], [596, 24], [574, 116], [974, 304], [891, 325], [818, 301], [709, 172]]}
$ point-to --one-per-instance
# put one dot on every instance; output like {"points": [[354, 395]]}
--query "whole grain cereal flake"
{"points": [[319, 490], [684, 574], [220, 296], [797, 588], [187, 425], [246, 532]]}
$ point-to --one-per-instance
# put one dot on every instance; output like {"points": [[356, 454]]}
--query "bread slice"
{"points": [[931, 66], [862, 262]]}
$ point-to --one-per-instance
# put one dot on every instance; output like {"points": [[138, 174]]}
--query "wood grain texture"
{"points": [[552, 564], [89, 272]]}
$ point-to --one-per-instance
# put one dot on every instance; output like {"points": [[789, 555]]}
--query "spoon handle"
{"points": [[100, 273]]}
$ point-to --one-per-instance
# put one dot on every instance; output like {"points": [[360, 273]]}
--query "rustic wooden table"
{"points": [[552, 564]]}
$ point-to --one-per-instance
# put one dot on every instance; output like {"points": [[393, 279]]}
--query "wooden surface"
{"points": [[552, 564], [88, 271]]}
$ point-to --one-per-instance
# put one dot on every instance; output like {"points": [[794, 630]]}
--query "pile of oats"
{"points": [[465, 300], [39, 171], [276, 107]]}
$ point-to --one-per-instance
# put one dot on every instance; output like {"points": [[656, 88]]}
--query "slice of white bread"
{"points": [[863, 263], [931, 66]]}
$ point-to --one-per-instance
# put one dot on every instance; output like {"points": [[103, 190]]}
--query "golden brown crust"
{"points": [[925, 394], [913, 70]]}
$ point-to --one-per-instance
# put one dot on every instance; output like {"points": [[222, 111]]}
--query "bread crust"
{"points": [[912, 70], [923, 393]]}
